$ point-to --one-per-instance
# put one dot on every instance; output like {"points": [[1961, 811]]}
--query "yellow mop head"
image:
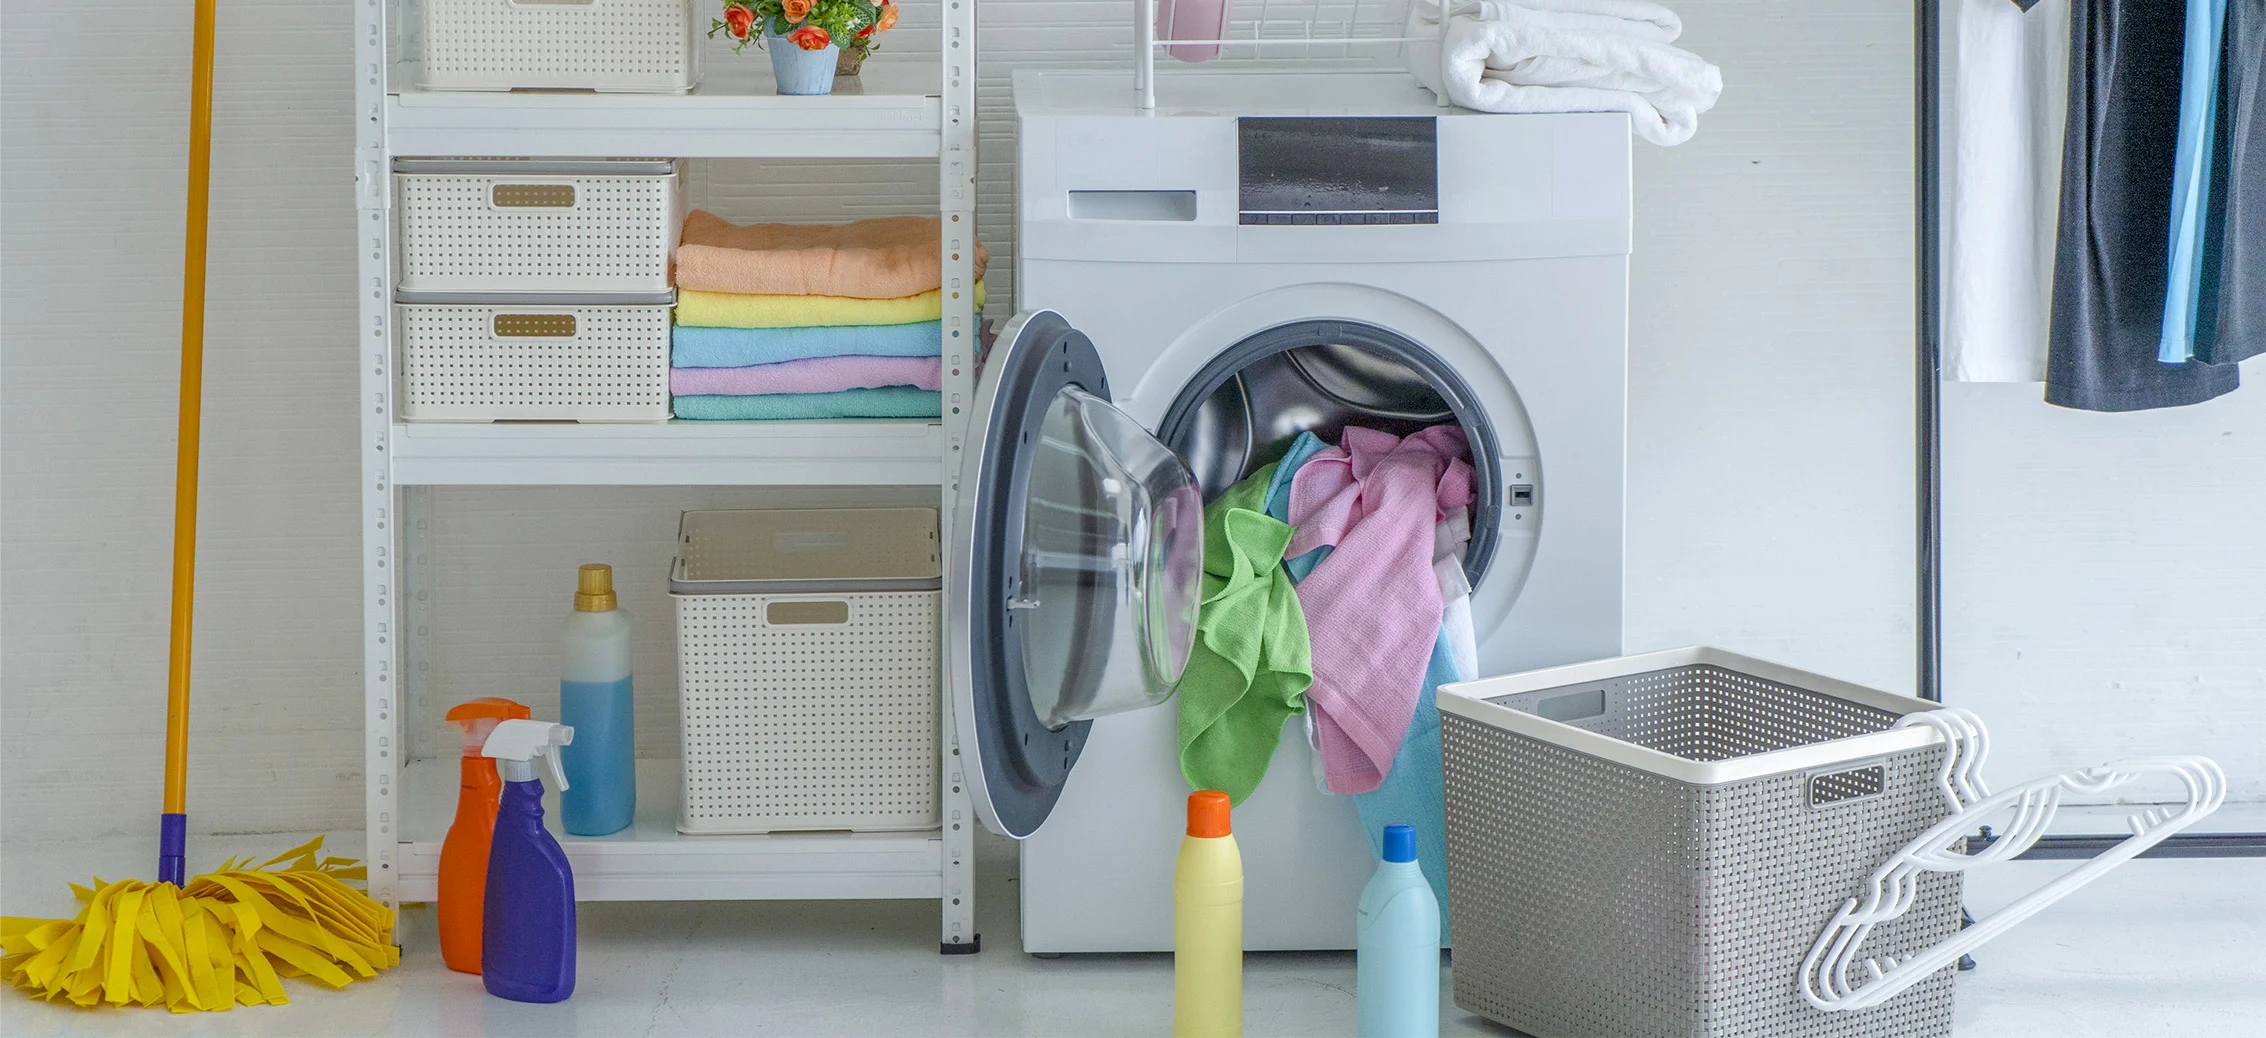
{"points": [[228, 938]]}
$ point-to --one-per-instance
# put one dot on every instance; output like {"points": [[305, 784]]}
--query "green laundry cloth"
{"points": [[1251, 663]]}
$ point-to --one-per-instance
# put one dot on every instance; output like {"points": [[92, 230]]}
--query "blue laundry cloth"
{"points": [[694, 346], [1413, 792], [2191, 176], [1278, 499]]}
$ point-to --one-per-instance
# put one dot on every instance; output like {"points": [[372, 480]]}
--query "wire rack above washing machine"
{"points": [[1271, 33]]}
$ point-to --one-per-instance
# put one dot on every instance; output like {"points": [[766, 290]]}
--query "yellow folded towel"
{"points": [[728, 310]]}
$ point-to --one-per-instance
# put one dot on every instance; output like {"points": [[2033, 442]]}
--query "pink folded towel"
{"points": [[887, 258], [1373, 605], [814, 375]]}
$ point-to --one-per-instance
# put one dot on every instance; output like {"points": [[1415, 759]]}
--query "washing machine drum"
{"points": [[1076, 582]]}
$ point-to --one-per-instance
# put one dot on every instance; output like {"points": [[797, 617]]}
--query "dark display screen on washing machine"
{"points": [[1338, 170]]}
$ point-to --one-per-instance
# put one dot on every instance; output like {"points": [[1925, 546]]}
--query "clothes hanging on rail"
{"points": [[2110, 267], [2191, 176], [2232, 299], [2005, 80]]}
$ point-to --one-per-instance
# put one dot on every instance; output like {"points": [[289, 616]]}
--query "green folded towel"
{"points": [[887, 402], [1251, 663]]}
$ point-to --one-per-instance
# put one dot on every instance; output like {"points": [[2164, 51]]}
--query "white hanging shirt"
{"points": [[2005, 81]]}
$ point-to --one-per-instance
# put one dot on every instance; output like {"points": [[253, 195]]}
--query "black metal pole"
{"points": [[1927, 412]]}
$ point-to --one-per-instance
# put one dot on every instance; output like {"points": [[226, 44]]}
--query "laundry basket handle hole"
{"points": [[1573, 706], [1841, 787]]}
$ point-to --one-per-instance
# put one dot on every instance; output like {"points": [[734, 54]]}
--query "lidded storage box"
{"points": [[807, 666], [493, 227], [534, 363], [1648, 846], [630, 46]]}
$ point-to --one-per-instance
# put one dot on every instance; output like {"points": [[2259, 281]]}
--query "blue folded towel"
{"points": [[698, 347], [887, 402]]}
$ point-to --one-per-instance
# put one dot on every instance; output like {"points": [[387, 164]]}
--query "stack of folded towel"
{"points": [[1564, 56], [826, 321]]}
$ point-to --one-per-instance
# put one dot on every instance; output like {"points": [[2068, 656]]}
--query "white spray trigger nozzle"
{"points": [[518, 742]]}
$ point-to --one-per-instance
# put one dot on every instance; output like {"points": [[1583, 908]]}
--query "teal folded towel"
{"points": [[888, 402], [692, 346]]}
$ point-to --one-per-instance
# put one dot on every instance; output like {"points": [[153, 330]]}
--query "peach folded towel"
{"points": [[887, 258]]}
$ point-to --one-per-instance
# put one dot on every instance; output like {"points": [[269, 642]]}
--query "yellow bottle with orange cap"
{"points": [[1207, 924], [464, 854]]}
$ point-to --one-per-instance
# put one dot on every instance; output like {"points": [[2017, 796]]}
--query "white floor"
{"points": [[2160, 948]]}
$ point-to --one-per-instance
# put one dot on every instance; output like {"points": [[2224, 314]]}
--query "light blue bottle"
{"points": [[1397, 949], [594, 699]]}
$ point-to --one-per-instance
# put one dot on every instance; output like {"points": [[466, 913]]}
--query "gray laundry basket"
{"points": [[1647, 846]]}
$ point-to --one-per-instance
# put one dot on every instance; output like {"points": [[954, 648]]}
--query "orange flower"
{"points": [[739, 21], [888, 18], [810, 37], [795, 10]]}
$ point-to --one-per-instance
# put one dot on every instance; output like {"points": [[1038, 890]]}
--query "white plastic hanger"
{"points": [[1826, 971]]}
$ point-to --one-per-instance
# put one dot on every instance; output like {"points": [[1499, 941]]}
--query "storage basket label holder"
{"points": [[1893, 888]]}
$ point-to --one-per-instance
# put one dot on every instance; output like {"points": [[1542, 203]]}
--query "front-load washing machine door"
{"points": [[1075, 583]]}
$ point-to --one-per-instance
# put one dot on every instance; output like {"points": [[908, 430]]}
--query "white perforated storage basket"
{"points": [[1647, 847], [551, 363], [630, 46], [807, 666], [507, 227]]}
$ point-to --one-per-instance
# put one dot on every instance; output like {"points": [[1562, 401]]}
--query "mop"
{"points": [[227, 937]]}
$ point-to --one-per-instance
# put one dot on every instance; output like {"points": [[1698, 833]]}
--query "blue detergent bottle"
{"points": [[1397, 946], [594, 699], [527, 924]]}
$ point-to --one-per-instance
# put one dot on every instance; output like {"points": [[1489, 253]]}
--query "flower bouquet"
{"points": [[811, 41]]}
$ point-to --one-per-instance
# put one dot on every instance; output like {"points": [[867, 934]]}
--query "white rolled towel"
{"points": [[1641, 18], [1566, 56]]}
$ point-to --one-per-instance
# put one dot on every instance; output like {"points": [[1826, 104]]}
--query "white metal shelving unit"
{"points": [[895, 110]]}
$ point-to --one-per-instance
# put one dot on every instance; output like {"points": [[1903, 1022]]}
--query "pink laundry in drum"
{"points": [[1373, 606], [1192, 20]]}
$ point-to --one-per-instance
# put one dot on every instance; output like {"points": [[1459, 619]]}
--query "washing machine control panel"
{"points": [[1338, 170]]}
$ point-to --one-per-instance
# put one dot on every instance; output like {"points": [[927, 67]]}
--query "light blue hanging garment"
{"points": [[2191, 176]]}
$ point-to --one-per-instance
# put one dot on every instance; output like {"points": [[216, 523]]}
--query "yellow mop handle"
{"points": [[185, 461]]}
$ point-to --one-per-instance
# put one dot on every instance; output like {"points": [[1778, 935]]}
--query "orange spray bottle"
{"points": [[464, 855]]}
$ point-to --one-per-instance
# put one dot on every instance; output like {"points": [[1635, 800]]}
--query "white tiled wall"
{"points": [[2108, 573]]}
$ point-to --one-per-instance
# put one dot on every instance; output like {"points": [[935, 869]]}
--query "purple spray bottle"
{"points": [[527, 931]]}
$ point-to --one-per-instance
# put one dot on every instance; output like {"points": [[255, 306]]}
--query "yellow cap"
{"points": [[594, 590]]}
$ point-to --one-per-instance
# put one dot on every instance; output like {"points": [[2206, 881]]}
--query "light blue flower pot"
{"points": [[802, 71]]}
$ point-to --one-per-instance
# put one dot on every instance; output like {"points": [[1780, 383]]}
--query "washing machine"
{"points": [[1259, 255]]}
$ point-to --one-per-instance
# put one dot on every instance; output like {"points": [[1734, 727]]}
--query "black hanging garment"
{"points": [[2113, 254], [2231, 323]]}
